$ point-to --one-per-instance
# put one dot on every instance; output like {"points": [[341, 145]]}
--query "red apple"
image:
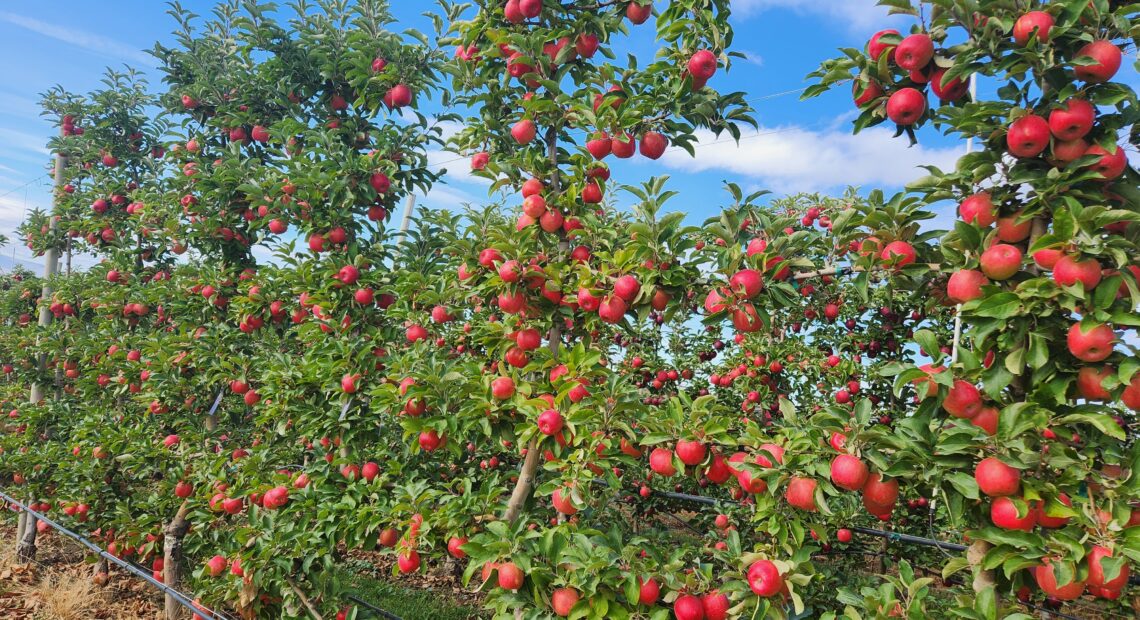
{"points": [[550, 422], [530, 8], [661, 462], [966, 285], [849, 472], [562, 600], [1068, 271], [865, 91], [898, 253], [1073, 120], [702, 65], [876, 47], [1111, 164], [638, 13], [906, 106], [653, 144], [746, 283], [586, 45], [715, 605], [216, 565], [1045, 520], [691, 452], [1033, 21], [503, 388], [987, 420], [1097, 576], [408, 561], [1013, 229], [627, 287], [978, 209], [764, 578], [801, 493], [963, 400], [649, 591], [523, 131], [455, 547], [997, 479], [1001, 261], [1047, 581], [914, 52], [1004, 514], [1093, 344], [1108, 58], [1028, 136]]}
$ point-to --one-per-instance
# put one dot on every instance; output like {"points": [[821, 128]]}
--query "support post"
{"points": [[409, 204], [51, 267]]}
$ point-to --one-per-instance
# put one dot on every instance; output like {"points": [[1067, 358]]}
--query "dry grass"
{"points": [[64, 596], [59, 585]]}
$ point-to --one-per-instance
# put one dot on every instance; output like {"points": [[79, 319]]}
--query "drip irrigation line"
{"points": [[127, 566], [907, 538], [387, 615]]}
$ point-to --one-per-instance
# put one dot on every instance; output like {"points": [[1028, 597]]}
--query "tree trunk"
{"points": [[102, 567], [524, 484], [173, 534], [529, 470], [975, 554], [26, 549], [21, 523]]}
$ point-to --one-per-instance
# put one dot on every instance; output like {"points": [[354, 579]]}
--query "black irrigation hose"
{"points": [[907, 538], [387, 615], [892, 536], [127, 566]]}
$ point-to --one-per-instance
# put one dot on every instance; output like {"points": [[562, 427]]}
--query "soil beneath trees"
{"points": [[60, 584]]}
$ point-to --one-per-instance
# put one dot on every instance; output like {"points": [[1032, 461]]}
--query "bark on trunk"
{"points": [[173, 534], [975, 554], [21, 522], [26, 549], [102, 567], [524, 484]]}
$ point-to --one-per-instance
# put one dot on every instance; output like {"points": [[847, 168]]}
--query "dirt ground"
{"points": [[60, 585]]}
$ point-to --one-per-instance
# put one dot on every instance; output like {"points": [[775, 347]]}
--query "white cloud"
{"points": [[443, 197], [857, 15], [458, 167], [18, 106], [91, 42], [18, 140], [752, 58], [794, 159], [12, 212]]}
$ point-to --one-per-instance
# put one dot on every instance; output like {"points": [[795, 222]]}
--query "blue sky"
{"points": [[800, 146]]}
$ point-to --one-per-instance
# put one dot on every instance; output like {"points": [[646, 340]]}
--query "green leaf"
{"points": [[985, 603], [1038, 351], [1000, 306], [1101, 421], [964, 483]]}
